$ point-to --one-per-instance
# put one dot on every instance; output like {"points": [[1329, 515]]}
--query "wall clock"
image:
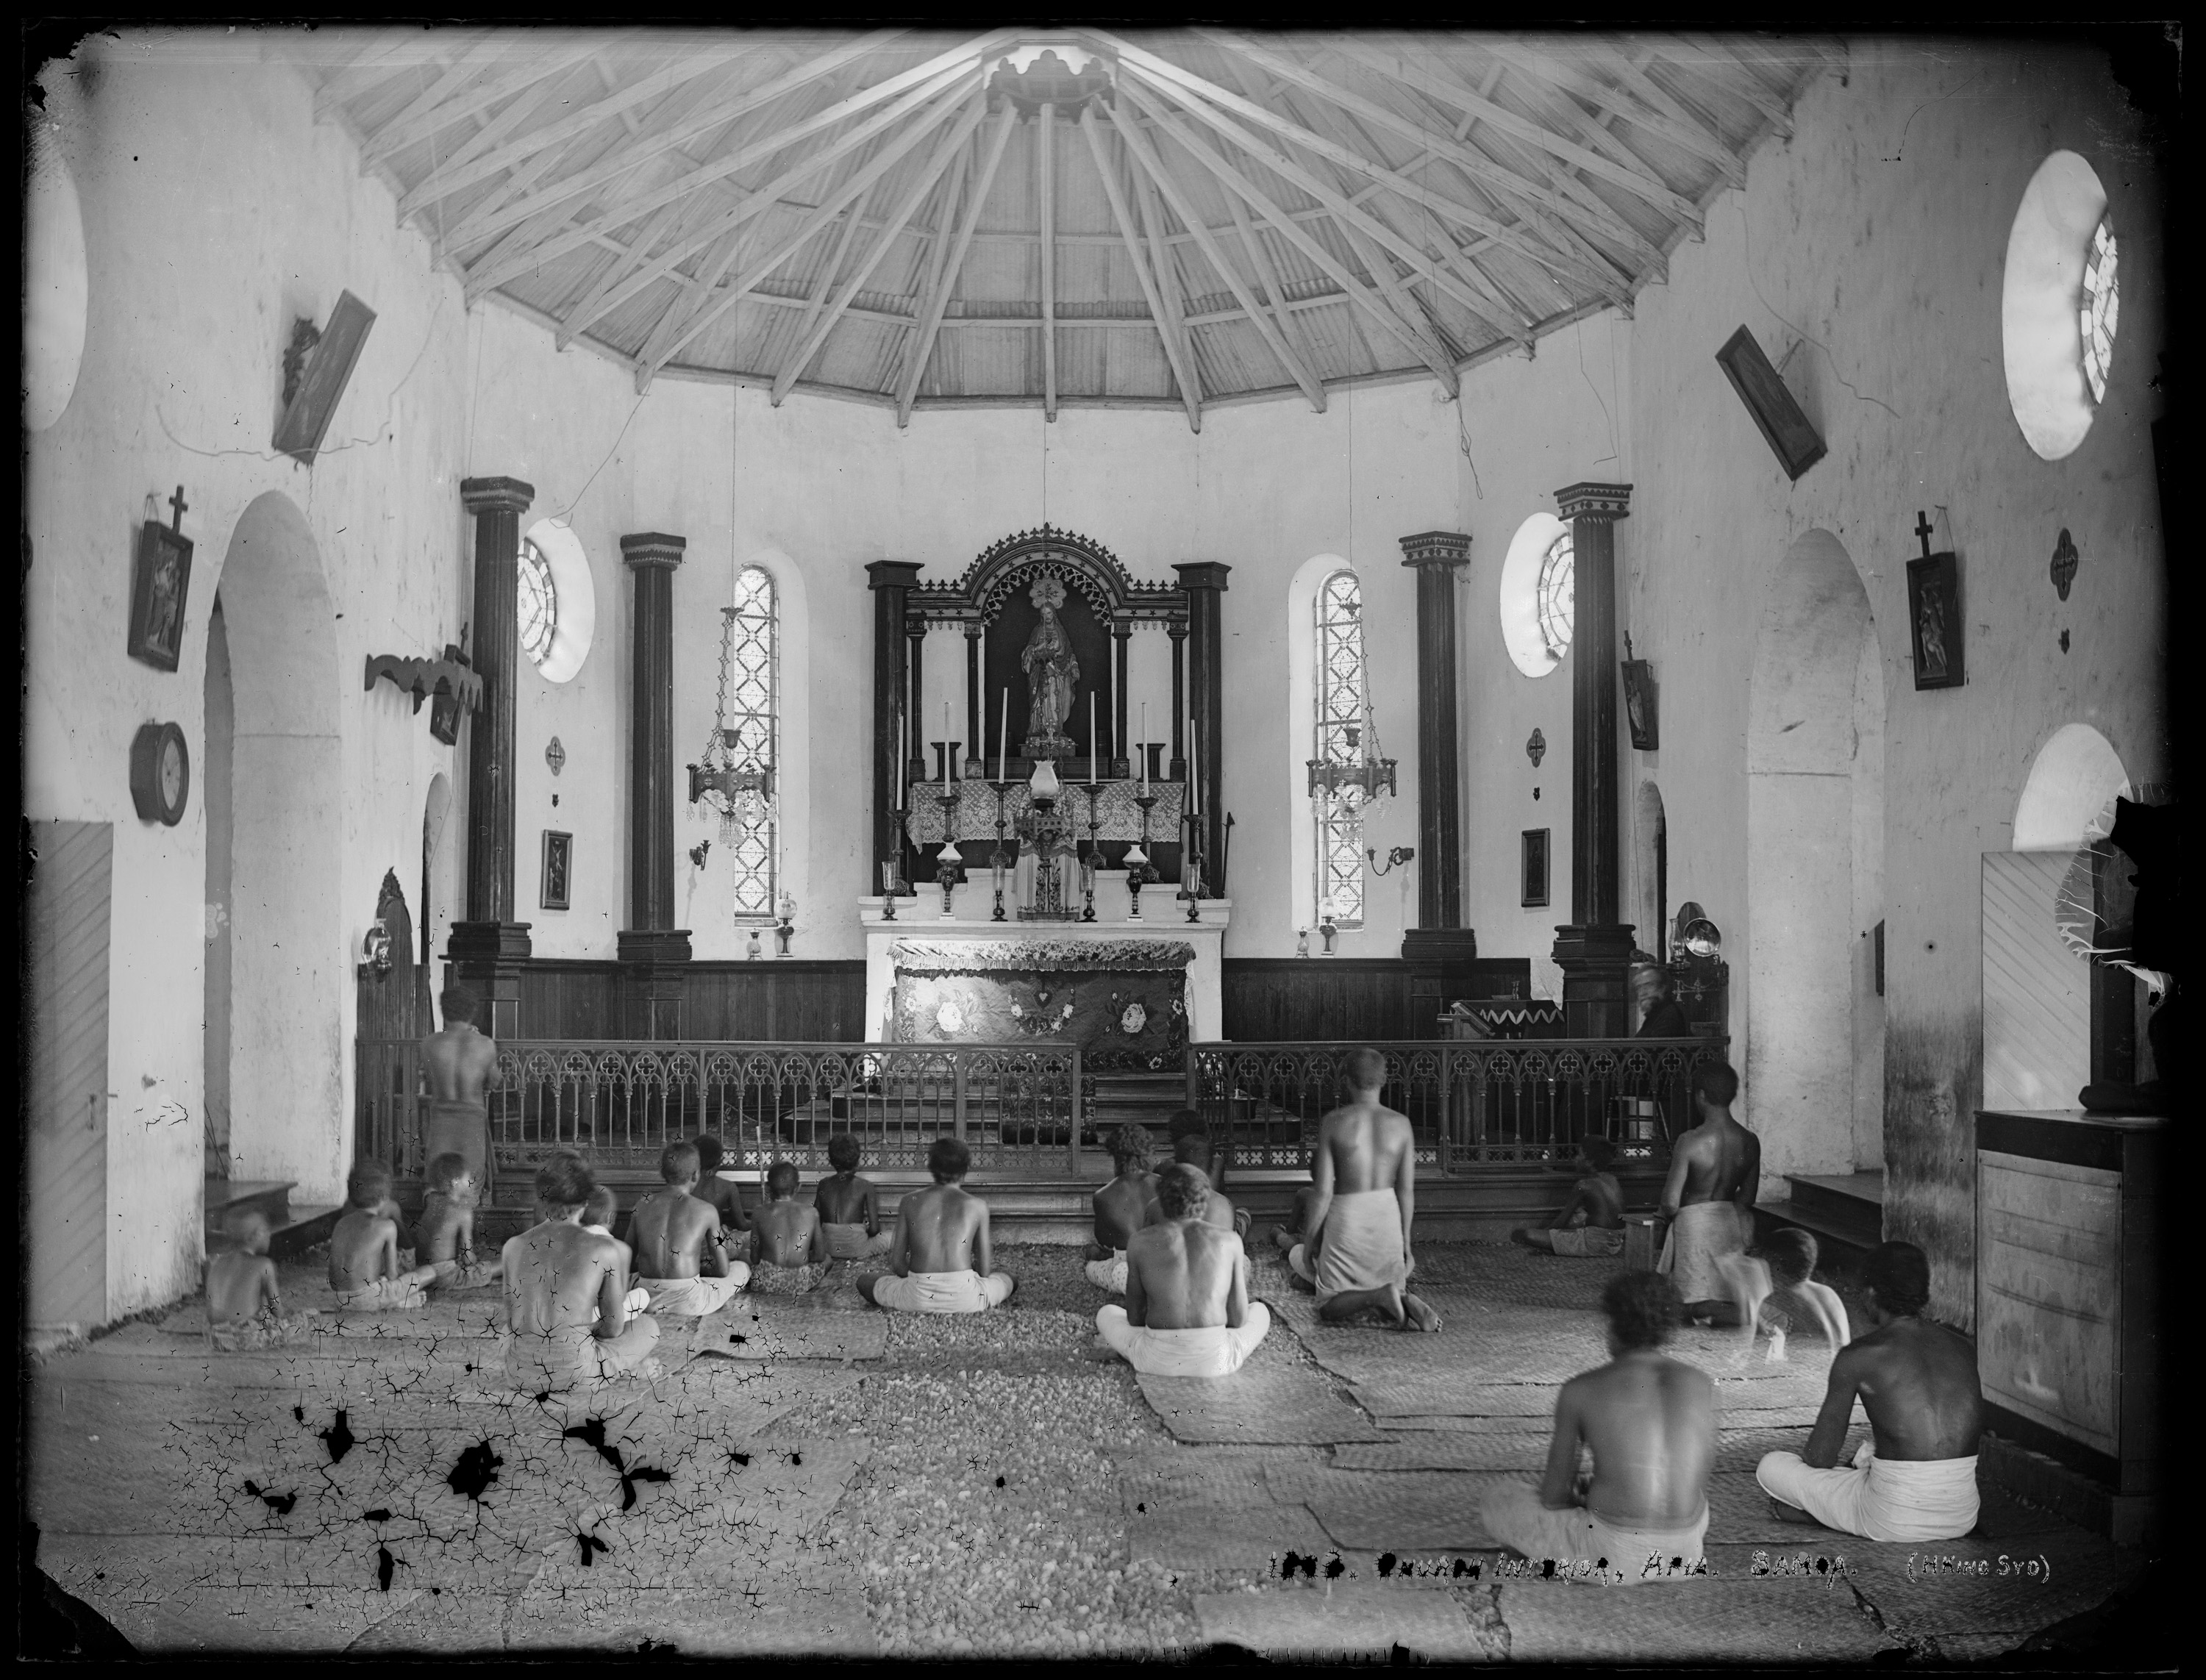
{"points": [[160, 773]]}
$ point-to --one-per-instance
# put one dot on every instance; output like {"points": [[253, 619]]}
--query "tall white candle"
{"points": [[1193, 769], [1142, 746], [903, 755], [1004, 738], [1110, 670], [945, 746], [1091, 738]]}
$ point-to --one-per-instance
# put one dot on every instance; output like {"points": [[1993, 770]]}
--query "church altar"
{"points": [[1109, 985]]}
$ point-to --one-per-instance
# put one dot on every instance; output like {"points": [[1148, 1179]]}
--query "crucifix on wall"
{"points": [[1934, 613]]}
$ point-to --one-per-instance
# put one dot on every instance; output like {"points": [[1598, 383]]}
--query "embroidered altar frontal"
{"points": [[1123, 1001]]}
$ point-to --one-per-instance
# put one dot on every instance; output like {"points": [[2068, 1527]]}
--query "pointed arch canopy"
{"points": [[1081, 564]]}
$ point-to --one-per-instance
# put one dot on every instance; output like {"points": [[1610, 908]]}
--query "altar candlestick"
{"points": [[945, 749], [1193, 769], [1091, 738], [1004, 738], [1143, 744]]}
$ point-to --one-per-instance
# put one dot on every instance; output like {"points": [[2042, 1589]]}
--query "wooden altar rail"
{"points": [[1018, 1107], [1470, 1103]]}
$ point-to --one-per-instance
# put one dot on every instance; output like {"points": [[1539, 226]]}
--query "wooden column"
{"points": [[1204, 580], [914, 632], [1177, 766], [650, 943], [1441, 952], [975, 767], [487, 949], [891, 581], [1594, 948], [1121, 635]]}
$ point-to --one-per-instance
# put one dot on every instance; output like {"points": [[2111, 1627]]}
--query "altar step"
{"points": [[1140, 1099]]}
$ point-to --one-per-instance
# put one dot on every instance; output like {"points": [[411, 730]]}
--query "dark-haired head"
{"points": [[781, 1180], [709, 1153], [602, 1207], [1599, 1153], [842, 1153], [1183, 1192], [368, 1183], [677, 1164], [1899, 1278], [563, 1185], [1184, 1120], [1716, 1082], [1792, 1255], [1364, 1070], [447, 1170], [460, 1004], [948, 1160], [1130, 1148], [1642, 1308], [1192, 1149]]}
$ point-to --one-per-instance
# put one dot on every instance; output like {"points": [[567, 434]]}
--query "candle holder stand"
{"points": [[1000, 860], [1138, 871], [951, 864], [1088, 865]]}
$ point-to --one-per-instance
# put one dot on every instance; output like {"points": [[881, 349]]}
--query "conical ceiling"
{"points": [[1062, 217]]}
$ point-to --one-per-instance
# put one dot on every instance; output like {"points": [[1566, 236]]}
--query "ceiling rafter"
{"points": [[920, 347], [526, 103], [1687, 136], [1112, 190], [1165, 263], [1045, 217], [1698, 53], [466, 64], [935, 171], [1268, 275], [528, 70], [394, 51]]}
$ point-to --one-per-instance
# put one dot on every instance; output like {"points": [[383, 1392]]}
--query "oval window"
{"points": [[555, 601], [56, 283], [2060, 305], [1538, 599]]}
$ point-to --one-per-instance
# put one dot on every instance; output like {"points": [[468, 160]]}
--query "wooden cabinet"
{"points": [[2067, 1297]]}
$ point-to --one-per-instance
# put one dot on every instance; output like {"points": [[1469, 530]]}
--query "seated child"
{"points": [[1284, 1237], [846, 1205], [676, 1233], [363, 1266], [1193, 1148], [1590, 1224], [245, 1313], [789, 1243], [444, 1237], [1123, 1207], [598, 1215], [1782, 1270], [725, 1195]]}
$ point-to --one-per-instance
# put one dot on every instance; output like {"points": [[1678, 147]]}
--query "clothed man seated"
{"points": [[1916, 1480], [567, 1322], [1359, 1217], [1590, 1224], [1779, 1275], [1716, 1173], [675, 1235], [788, 1244], [846, 1205], [942, 1260], [444, 1235], [244, 1307], [1123, 1207], [1649, 1422], [365, 1269], [1188, 1312]]}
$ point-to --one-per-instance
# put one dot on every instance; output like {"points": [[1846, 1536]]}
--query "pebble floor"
{"points": [[858, 1483]]}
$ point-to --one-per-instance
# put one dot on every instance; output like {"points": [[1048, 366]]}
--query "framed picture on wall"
{"points": [[1535, 867], [1934, 616], [158, 592], [558, 862]]}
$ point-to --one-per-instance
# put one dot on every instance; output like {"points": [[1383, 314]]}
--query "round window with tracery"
{"points": [[2102, 310], [536, 603], [1556, 596]]}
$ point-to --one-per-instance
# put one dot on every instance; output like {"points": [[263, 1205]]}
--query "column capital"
{"points": [[893, 574], [482, 496], [1436, 548], [1202, 574], [652, 548], [1593, 501]]}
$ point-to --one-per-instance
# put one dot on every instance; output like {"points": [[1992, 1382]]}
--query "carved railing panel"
{"points": [[1470, 1103], [1017, 1106]]}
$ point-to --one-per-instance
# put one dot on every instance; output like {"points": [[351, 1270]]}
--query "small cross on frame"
{"points": [[1922, 528], [182, 507]]}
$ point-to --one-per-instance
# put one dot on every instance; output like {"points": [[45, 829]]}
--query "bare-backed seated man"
{"points": [[1366, 1186], [463, 1064], [1650, 1423], [566, 1321], [847, 1207], [1716, 1173], [364, 1264], [1917, 1479], [244, 1306], [788, 1244], [1194, 1148], [444, 1235], [1590, 1224], [1123, 1207], [675, 1235], [1188, 1312], [725, 1195], [942, 1257]]}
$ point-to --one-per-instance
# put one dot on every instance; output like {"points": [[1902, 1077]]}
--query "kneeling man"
{"points": [[1651, 1424], [567, 1322], [942, 1257], [1365, 1181], [1188, 1312], [1916, 1480], [679, 1255]]}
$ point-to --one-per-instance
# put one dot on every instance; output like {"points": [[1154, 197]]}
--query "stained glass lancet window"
{"points": [[1343, 715], [536, 603], [1557, 595], [752, 730], [2102, 308]]}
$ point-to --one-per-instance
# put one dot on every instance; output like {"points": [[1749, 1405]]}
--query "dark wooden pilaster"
{"points": [[650, 943], [973, 768], [915, 707], [1437, 558], [1204, 581], [892, 582], [1594, 948], [486, 948], [1121, 635], [1177, 767]]}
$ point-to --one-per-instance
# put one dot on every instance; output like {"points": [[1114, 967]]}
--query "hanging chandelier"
{"points": [[1372, 772], [736, 777]]}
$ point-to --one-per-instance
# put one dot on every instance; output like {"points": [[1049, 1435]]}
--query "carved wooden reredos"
{"points": [[1085, 567]]}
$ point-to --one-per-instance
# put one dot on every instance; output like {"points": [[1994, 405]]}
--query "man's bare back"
{"points": [[1123, 1207], [788, 1233], [1186, 1274], [1364, 1146], [846, 1198], [672, 1231], [1917, 1381], [363, 1247], [1717, 1160], [461, 1062], [559, 1277], [942, 1228], [1650, 1421]]}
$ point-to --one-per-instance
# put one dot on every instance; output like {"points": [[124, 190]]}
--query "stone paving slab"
{"points": [[1778, 1622], [1343, 1620], [1246, 1538], [1525, 1423], [1434, 1511], [1449, 1450], [1190, 1478], [1426, 1397], [1281, 1406]]}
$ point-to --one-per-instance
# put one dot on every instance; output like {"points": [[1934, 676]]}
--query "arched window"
{"points": [[1558, 594], [752, 681], [536, 603], [1343, 714]]}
